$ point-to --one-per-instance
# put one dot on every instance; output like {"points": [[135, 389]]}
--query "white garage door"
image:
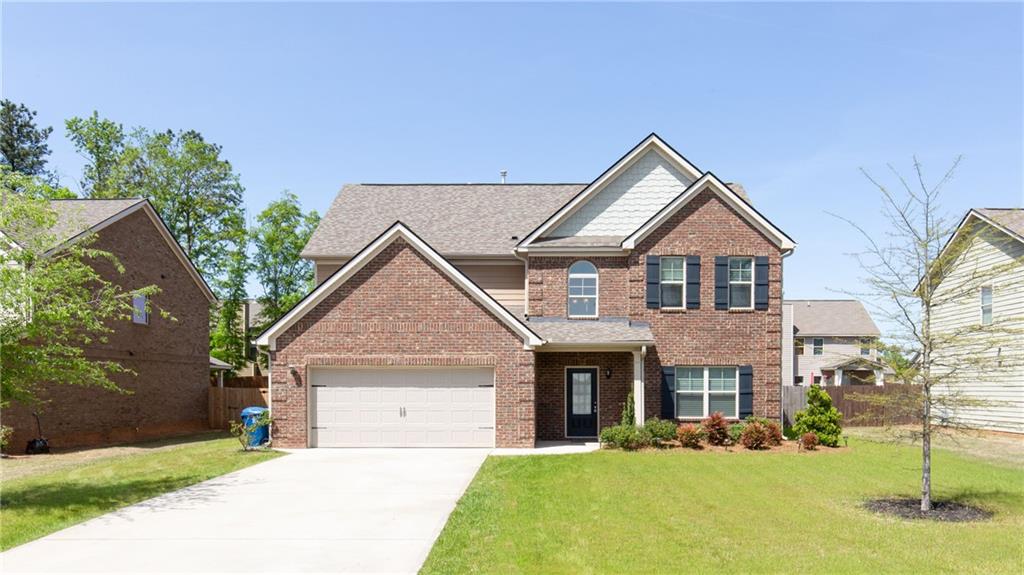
{"points": [[414, 407]]}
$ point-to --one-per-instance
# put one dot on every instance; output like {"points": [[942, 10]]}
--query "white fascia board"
{"points": [[710, 181], [397, 230], [652, 142], [164, 232], [570, 251], [972, 213]]}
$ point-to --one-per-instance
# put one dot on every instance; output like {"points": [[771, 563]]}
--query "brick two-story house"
{"points": [[504, 314]]}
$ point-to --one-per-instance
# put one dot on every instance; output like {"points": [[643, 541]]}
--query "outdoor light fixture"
{"points": [[293, 370], [607, 373]]}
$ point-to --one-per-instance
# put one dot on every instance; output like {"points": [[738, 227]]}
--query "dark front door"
{"points": [[581, 402]]}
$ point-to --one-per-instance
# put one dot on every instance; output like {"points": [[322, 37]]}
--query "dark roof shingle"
{"points": [[840, 317], [1010, 218]]}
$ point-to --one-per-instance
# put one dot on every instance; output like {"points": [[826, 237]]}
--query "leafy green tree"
{"points": [[227, 339], [820, 417], [281, 231], [104, 145], [53, 303], [23, 145]]}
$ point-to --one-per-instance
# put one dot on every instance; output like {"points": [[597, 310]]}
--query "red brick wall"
{"points": [[612, 392], [401, 310], [171, 358], [706, 227]]}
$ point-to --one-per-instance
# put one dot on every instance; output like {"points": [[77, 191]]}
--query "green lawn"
{"points": [[742, 512], [46, 500]]}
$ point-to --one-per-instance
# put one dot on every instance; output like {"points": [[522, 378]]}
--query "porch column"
{"points": [[879, 377], [839, 376], [638, 388]]}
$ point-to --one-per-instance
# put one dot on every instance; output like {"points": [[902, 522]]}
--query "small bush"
{"points": [[716, 428], [5, 436], [627, 437], [241, 431], [788, 433], [774, 429], [756, 436], [809, 441], [735, 431], [661, 430], [628, 411], [820, 418], [690, 435]]}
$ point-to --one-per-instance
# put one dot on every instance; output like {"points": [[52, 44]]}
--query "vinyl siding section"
{"points": [[787, 344], [628, 201], [835, 350], [989, 250]]}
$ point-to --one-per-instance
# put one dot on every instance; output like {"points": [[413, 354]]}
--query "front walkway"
{"points": [[317, 510]]}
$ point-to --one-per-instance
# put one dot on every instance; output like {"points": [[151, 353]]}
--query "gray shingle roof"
{"points": [[1010, 218], [76, 216], [604, 330], [832, 317], [455, 219], [580, 241]]}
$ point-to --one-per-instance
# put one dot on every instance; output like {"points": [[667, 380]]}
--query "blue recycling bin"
{"points": [[261, 434]]}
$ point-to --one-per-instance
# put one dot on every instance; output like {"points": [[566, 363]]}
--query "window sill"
{"points": [[741, 310], [673, 309], [584, 317]]}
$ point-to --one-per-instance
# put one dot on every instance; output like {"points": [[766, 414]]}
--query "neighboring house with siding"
{"points": [[170, 357], [506, 314], [982, 286], [830, 342]]}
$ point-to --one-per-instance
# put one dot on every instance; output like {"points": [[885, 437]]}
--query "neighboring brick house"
{"points": [[506, 314], [170, 357], [830, 342]]}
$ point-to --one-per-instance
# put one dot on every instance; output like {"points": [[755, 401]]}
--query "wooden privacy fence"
{"points": [[855, 413], [246, 381], [227, 403]]}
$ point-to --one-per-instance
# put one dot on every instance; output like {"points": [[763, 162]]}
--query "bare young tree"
{"points": [[916, 276]]}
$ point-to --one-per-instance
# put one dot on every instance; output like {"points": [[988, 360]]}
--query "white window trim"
{"points": [[143, 313], [597, 291], [816, 346], [991, 305], [865, 347], [707, 391], [750, 283], [682, 282], [799, 349]]}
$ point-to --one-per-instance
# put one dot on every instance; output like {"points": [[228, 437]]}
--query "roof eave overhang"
{"points": [[397, 230], [972, 213], [573, 251], [596, 346]]}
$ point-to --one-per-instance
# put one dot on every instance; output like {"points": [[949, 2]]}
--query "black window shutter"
{"points": [[721, 282], [746, 391], [761, 282], [653, 282], [668, 399], [692, 282]]}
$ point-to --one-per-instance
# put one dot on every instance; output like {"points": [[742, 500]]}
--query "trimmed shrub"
{"points": [[809, 441], [756, 436], [628, 411], [690, 435], [774, 429], [660, 430], [820, 418], [627, 437], [716, 428], [735, 431]]}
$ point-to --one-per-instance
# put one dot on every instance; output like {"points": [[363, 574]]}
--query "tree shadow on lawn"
{"points": [[163, 493], [959, 505]]}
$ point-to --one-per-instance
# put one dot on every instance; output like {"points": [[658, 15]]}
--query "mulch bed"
{"points": [[950, 511]]}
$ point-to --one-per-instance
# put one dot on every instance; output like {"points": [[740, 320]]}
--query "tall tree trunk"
{"points": [[926, 454]]}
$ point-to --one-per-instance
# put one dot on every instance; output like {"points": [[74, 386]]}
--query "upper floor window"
{"points": [[582, 289], [741, 283], [818, 345], [986, 305], [798, 346], [865, 347], [139, 312], [673, 271]]}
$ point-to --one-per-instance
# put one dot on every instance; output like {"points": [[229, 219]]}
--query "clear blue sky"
{"points": [[789, 100]]}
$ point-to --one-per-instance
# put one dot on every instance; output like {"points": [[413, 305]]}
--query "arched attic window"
{"points": [[582, 289]]}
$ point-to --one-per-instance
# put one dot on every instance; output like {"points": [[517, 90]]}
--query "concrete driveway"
{"points": [[313, 511]]}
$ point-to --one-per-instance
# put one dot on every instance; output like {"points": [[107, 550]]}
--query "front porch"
{"points": [[581, 392], [854, 371]]}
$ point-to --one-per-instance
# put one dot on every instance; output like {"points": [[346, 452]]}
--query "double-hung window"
{"points": [[741, 283], [798, 346], [701, 391], [673, 272], [818, 345], [140, 314], [582, 289], [865, 347], [986, 305]]}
